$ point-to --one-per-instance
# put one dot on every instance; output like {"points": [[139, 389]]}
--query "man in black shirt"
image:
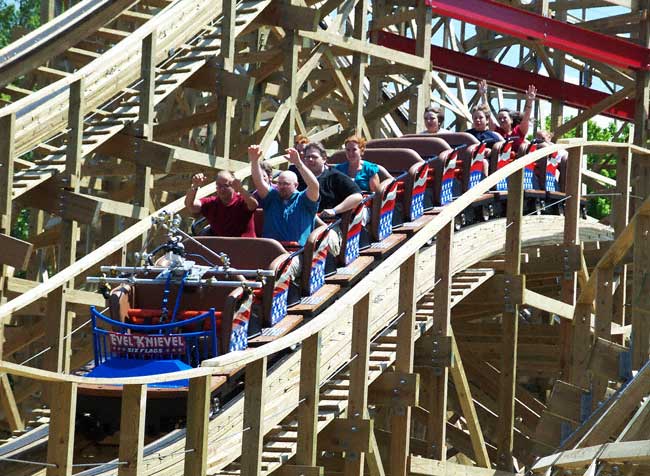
{"points": [[338, 192]]}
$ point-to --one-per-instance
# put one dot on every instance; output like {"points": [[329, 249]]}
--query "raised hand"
{"points": [[254, 152], [531, 92], [482, 87], [199, 180], [293, 156]]}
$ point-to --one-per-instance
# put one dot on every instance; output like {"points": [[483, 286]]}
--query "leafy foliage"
{"points": [[23, 14], [600, 207]]}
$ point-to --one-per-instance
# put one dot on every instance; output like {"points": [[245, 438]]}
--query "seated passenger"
{"points": [[267, 176], [230, 211], [288, 213], [364, 173], [338, 192], [299, 143], [433, 119], [480, 115], [507, 126]]}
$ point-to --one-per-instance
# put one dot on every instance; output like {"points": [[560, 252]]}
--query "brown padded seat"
{"points": [[244, 252], [248, 253], [426, 146], [452, 138], [395, 161], [223, 299]]}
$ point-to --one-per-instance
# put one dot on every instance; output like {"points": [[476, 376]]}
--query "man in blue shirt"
{"points": [[288, 213]]}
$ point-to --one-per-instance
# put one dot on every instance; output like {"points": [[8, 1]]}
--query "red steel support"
{"points": [[552, 33], [472, 67]]}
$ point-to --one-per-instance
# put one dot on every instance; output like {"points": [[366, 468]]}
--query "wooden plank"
{"points": [[15, 252], [254, 401], [7, 153], [225, 104], [641, 292], [428, 467], [578, 333], [544, 303], [614, 418], [60, 443], [363, 47], [358, 393], [310, 356], [621, 212], [637, 452], [510, 322], [8, 404], [603, 320], [401, 419], [133, 414], [198, 418], [422, 79], [436, 428], [469, 410]]}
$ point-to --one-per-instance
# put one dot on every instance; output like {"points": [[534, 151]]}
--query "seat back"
{"points": [[473, 164], [501, 155], [258, 220], [351, 233], [144, 305], [313, 261], [255, 253], [411, 172]]}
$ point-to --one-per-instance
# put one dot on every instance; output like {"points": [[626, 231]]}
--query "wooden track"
{"points": [[383, 355]]}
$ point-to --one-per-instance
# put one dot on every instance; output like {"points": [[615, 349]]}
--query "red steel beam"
{"points": [[507, 77], [552, 33]]}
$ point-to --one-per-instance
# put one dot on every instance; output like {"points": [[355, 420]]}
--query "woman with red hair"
{"points": [[364, 173]]}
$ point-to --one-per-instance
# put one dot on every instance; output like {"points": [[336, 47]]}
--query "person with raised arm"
{"points": [[288, 213], [230, 211], [505, 122]]}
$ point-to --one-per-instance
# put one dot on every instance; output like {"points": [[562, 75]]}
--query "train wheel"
{"points": [[539, 206], [458, 222], [560, 209], [486, 212], [583, 212]]}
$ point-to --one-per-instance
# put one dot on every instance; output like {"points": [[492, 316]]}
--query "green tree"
{"points": [[22, 14], [600, 207]]}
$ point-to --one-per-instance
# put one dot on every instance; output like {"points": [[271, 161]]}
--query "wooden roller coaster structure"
{"points": [[157, 89]]}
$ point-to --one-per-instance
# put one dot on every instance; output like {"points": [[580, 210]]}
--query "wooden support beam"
{"points": [[422, 97], [254, 401], [621, 212], [359, 63], [289, 16], [143, 173], [60, 443], [133, 414], [358, 392], [225, 104], [8, 404], [198, 417], [309, 395], [166, 158], [290, 48], [469, 410], [576, 336], [640, 298], [603, 321], [401, 420], [14, 252], [612, 421], [436, 426], [7, 153], [427, 467], [510, 323], [544, 303]]}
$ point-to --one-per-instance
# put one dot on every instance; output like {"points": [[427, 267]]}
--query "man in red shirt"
{"points": [[229, 212]]}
